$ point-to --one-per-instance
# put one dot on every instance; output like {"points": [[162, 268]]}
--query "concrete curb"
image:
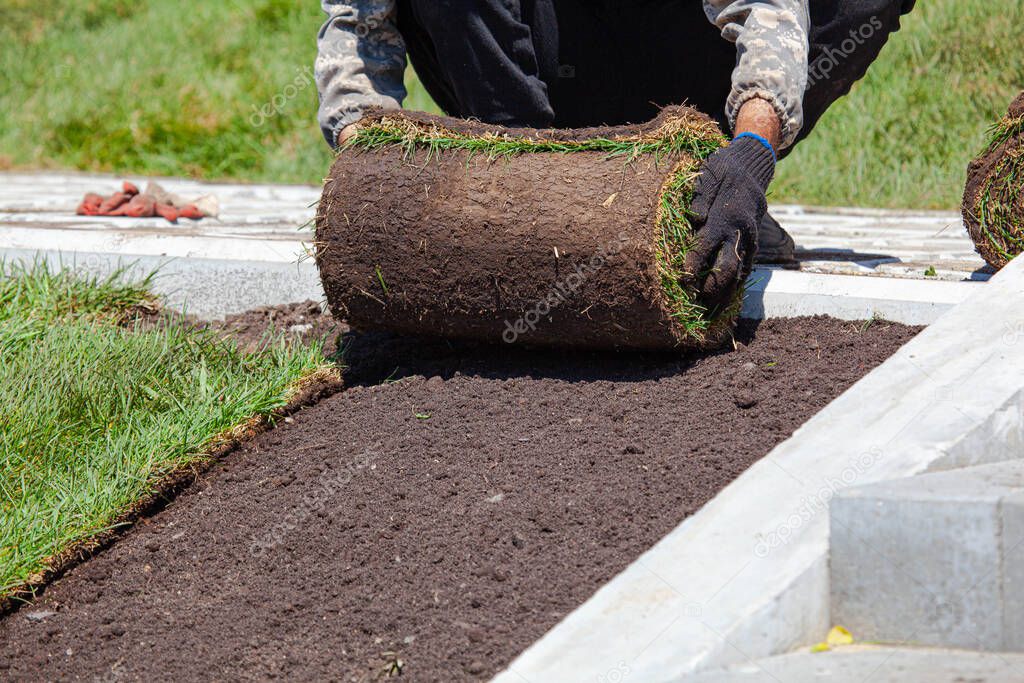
{"points": [[206, 288], [747, 576], [773, 293], [269, 273]]}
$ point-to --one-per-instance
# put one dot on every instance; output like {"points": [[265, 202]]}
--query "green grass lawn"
{"points": [[171, 87], [96, 407]]}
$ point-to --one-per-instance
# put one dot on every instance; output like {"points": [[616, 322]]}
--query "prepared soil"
{"points": [[439, 515]]}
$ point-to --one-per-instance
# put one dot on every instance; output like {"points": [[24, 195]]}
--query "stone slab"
{"points": [[933, 559]]}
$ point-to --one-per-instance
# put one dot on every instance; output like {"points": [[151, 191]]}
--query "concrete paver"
{"points": [[932, 559]]}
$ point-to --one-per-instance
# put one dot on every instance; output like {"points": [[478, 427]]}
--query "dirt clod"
{"points": [[303, 322]]}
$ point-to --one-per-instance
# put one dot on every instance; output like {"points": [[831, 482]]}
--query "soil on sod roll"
{"points": [[446, 510], [573, 238], [993, 207]]}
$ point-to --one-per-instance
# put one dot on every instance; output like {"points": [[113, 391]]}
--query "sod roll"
{"points": [[993, 205], [572, 238]]}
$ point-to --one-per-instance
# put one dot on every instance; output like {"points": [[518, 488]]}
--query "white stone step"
{"points": [[936, 559]]}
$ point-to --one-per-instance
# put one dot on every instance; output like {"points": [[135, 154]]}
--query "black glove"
{"points": [[727, 208]]}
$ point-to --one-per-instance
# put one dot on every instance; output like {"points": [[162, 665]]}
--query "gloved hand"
{"points": [[728, 205]]}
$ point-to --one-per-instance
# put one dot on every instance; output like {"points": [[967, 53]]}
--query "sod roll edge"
{"points": [[572, 238], [993, 207]]}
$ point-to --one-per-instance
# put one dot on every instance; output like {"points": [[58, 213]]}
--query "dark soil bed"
{"points": [[447, 509]]}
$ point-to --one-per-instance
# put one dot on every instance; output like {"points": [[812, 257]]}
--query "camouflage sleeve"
{"points": [[360, 62], [771, 44]]}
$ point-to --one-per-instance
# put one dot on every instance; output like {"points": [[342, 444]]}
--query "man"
{"points": [[766, 69]]}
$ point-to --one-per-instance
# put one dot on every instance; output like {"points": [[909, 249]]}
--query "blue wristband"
{"points": [[763, 141]]}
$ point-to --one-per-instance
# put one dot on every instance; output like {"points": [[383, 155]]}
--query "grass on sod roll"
{"points": [[999, 204], [95, 407], [675, 239], [697, 139]]}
